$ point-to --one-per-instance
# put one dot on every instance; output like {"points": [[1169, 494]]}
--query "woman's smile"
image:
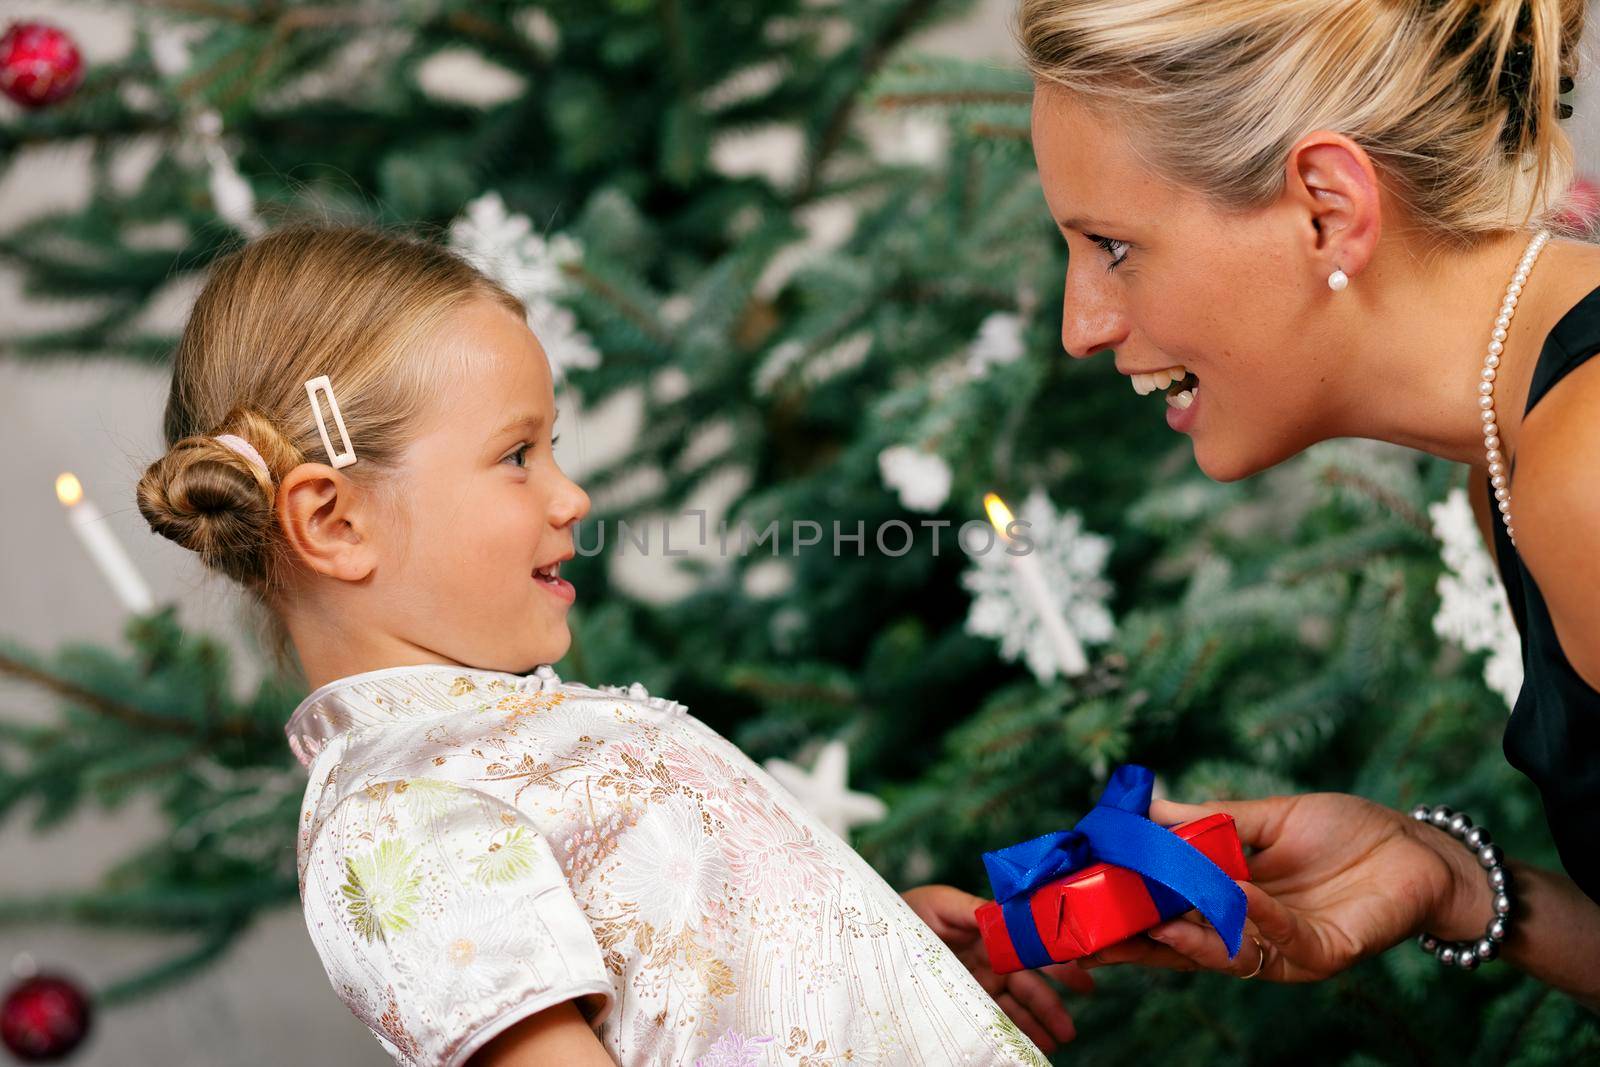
{"points": [[1183, 404], [1179, 385]]}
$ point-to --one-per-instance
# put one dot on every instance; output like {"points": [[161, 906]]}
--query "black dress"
{"points": [[1553, 735]]}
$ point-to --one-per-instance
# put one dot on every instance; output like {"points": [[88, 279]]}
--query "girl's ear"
{"points": [[327, 520]]}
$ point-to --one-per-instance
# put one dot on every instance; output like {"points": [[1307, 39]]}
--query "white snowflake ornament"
{"points": [[1473, 611], [1011, 595], [822, 790], [502, 244]]}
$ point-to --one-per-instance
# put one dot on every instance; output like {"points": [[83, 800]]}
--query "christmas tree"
{"points": [[821, 265]]}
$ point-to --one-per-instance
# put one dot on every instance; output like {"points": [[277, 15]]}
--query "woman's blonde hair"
{"points": [[359, 305], [1455, 100]]}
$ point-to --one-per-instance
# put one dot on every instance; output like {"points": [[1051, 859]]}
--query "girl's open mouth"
{"points": [[550, 577]]}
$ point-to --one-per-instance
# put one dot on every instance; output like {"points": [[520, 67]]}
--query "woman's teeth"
{"points": [[1181, 386], [1145, 384], [549, 574]]}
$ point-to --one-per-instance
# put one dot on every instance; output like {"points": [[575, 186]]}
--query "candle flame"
{"points": [[68, 489], [1000, 516]]}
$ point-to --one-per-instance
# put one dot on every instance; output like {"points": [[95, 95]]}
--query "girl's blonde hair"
{"points": [[359, 305], [1216, 93]]}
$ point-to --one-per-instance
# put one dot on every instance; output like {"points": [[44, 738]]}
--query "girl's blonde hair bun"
{"points": [[213, 501]]}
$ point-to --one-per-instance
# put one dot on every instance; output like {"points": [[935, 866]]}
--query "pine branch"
{"points": [[162, 907], [171, 971], [637, 317], [786, 687], [677, 51], [284, 23], [911, 17], [111, 709], [1400, 508], [209, 9]]}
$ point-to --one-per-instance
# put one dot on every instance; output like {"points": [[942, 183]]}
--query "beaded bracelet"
{"points": [[1468, 954]]}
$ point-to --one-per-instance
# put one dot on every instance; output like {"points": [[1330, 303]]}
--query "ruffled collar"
{"points": [[399, 693], [422, 690]]}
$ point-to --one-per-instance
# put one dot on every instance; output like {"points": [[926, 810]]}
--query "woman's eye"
{"points": [[1110, 247]]}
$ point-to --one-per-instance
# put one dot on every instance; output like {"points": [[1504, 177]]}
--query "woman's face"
{"points": [[488, 512], [1158, 274]]}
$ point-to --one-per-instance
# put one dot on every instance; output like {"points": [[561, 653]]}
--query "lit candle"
{"points": [[90, 526], [1031, 583]]}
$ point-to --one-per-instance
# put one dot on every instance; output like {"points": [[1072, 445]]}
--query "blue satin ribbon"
{"points": [[1116, 831]]}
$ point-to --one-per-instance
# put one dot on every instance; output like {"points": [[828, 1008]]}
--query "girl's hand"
{"points": [[1335, 879], [1031, 1002]]}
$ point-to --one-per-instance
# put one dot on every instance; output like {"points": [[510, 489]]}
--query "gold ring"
{"points": [[1261, 958]]}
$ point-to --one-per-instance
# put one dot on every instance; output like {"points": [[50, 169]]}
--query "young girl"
{"points": [[496, 866]]}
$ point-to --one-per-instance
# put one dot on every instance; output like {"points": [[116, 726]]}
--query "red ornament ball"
{"points": [[39, 64], [43, 1018]]}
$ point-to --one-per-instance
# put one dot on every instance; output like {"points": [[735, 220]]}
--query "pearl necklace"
{"points": [[1499, 475]]}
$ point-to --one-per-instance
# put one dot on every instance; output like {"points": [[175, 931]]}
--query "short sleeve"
{"points": [[442, 918]]}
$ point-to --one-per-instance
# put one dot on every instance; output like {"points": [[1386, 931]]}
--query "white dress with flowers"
{"points": [[477, 846]]}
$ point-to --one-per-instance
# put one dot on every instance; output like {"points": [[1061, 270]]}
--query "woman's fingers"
{"points": [[1140, 951], [1276, 922], [1203, 945], [1258, 821], [1170, 812], [1026, 1022], [1070, 975], [1191, 939], [1035, 994]]}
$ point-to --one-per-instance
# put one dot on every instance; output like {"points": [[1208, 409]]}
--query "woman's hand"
{"points": [[1031, 1002], [1335, 879]]}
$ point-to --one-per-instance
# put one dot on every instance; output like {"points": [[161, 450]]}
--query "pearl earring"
{"points": [[1338, 280]]}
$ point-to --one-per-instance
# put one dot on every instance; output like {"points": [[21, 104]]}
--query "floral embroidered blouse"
{"points": [[476, 846]]}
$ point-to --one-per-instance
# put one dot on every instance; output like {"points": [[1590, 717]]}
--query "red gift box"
{"points": [[1102, 904]]}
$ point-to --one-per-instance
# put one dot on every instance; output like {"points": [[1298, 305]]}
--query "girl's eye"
{"points": [[1110, 245], [520, 453]]}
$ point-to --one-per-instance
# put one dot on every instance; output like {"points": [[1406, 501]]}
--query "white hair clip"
{"points": [[338, 459]]}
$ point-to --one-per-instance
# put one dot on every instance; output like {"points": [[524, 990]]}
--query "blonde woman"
{"points": [[1309, 219]]}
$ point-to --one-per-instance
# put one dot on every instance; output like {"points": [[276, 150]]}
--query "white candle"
{"points": [[1031, 582], [90, 526]]}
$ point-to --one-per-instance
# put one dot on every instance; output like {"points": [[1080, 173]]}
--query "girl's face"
{"points": [[488, 515], [1161, 276]]}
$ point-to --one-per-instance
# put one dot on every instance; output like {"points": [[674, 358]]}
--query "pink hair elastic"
{"points": [[245, 449]]}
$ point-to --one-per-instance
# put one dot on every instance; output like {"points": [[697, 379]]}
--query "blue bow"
{"points": [[1116, 831]]}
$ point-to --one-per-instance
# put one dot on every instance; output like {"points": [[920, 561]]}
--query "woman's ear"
{"points": [[1332, 184], [327, 520]]}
